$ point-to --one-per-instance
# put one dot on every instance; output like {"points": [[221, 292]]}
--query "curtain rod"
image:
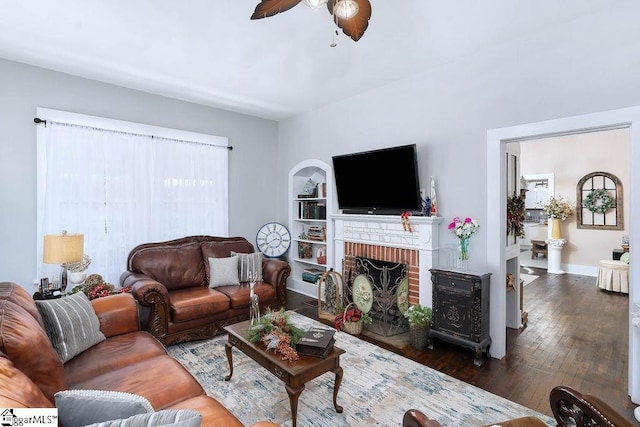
{"points": [[38, 120]]}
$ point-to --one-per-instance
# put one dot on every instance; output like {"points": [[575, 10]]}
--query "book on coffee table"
{"points": [[316, 342]]}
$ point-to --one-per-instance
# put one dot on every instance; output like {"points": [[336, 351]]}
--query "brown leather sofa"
{"points": [[129, 360], [170, 281]]}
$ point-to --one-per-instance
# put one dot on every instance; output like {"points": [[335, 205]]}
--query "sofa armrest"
{"points": [[276, 272], [118, 314], [152, 295]]}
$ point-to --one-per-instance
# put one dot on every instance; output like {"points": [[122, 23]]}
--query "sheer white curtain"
{"points": [[121, 189]]}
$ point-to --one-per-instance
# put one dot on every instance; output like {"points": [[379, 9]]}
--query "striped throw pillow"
{"points": [[249, 265], [71, 324]]}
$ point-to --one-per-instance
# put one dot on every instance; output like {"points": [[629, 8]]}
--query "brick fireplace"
{"points": [[382, 237]]}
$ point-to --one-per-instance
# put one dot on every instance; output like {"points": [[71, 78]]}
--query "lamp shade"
{"points": [[62, 248], [315, 4], [346, 9]]}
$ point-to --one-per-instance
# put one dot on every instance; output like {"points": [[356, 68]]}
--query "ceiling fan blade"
{"points": [[268, 8], [355, 26]]}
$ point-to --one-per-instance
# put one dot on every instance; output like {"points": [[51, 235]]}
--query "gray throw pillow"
{"points": [[223, 271], [167, 417], [249, 265], [71, 324], [82, 407]]}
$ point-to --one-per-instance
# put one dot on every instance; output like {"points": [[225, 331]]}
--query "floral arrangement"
{"points": [[464, 228], [558, 208], [277, 332], [95, 287], [515, 215], [418, 315], [78, 266], [351, 315], [598, 201]]}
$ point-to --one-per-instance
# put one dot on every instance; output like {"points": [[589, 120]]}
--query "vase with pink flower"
{"points": [[463, 229]]}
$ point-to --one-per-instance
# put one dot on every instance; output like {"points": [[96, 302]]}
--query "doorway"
{"points": [[496, 212]]}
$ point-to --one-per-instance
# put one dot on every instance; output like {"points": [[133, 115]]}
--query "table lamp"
{"points": [[62, 249]]}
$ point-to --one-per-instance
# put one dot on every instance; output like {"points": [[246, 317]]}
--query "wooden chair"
{"points": [[572, 408]]}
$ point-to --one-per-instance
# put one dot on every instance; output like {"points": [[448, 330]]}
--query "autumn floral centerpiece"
{"points": [[558, 208], [95, 287], [464, 229], [276, 331]]}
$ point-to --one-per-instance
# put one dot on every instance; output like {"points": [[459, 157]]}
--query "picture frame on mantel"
{"points": [[606, 186]]}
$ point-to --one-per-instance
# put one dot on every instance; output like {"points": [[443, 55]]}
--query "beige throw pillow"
{"points": [[223, 272]]}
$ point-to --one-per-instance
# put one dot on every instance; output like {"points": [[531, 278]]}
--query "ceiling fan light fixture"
{"points": [[315, 4], [345, 9]]}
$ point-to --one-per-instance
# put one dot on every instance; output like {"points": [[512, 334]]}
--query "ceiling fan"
{"points": [[352, 16]]}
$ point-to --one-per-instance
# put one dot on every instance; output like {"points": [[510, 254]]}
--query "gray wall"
{"points": [[582, 65], [23, 88]]}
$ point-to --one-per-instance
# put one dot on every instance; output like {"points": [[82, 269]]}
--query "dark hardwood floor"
{"points": [[576, 335]]}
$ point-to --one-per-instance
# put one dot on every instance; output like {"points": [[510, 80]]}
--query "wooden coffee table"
{"points": [[294, 375]]}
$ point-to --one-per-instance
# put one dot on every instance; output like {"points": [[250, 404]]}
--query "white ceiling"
{"points": [[210, 52]]}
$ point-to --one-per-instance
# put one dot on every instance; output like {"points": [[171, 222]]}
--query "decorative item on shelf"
{"points": [[317, 233], [63, 249], [464, 229], [311, 275], [351, 320], [419, 318], [557, 209], [276, 331], [254, 309], [625, 243], [309, 190], [321, 189], [330, 290], [305, 250], [406, 224], [511, 282], [426, 206], [598, 201], [434, 202], [515, 215], [321, 257]]}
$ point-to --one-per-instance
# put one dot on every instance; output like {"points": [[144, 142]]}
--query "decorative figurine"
{"points": [[434, 203], [254, 311]]}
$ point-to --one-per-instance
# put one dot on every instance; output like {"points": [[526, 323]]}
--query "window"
{"points": [[122, 184]]}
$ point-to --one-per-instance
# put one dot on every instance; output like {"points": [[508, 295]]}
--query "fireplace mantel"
{"points": [[387, 231]]}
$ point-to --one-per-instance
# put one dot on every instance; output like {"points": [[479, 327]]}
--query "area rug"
{"points": [[527, 278], [377, 388]]}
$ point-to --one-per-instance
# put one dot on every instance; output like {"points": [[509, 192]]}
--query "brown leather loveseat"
{"points": [[128, 360], [171, 281]]}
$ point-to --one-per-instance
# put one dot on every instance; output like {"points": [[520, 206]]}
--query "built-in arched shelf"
{"points": [[612, 218]]}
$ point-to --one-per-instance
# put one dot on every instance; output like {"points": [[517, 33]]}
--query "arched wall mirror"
{"points": [[599, 202]]}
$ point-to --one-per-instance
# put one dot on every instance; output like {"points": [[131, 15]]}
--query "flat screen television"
{"points": [[381, 181]]}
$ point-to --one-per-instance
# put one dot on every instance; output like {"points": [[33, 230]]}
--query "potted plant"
{"points": [[419, 318]]}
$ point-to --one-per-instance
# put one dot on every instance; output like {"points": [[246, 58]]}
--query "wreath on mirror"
{"points": [[598, 201]]}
